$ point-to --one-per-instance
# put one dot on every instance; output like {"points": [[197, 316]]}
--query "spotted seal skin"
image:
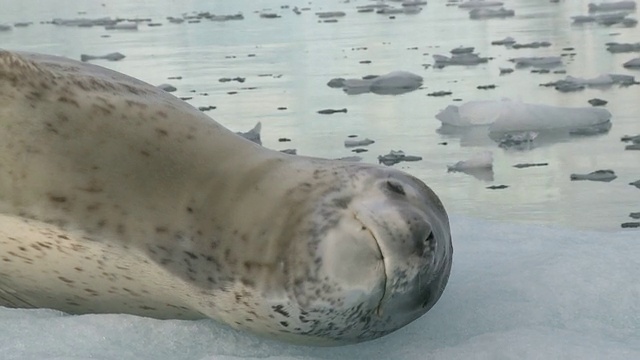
{"points": [[118, 197]]}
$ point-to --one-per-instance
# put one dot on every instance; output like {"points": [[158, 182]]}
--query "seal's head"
{"points": [[382, 253]]}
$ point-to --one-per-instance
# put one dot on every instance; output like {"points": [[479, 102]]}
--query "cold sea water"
{"points": [[287, 61]]}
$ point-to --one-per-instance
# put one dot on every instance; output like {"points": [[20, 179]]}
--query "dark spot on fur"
{"points": [[284, 323], [191, 255], [65, 279], [280, 310], [66, 100], [58, 199]]}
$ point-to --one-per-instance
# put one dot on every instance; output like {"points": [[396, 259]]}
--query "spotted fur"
{"points": [[118, 197]]}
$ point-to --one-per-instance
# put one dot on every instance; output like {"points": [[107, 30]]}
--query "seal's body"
{"points": [[118, 197]]}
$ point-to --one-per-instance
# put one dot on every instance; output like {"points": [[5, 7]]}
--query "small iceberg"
{"points": [[506, 41], [128, 25], [106, 21], [606, 19], [330, 14], [357, 142], [394, 157], [479, 166], [513, 116], [612, 6], [253, 135], [477, 4], [408, 10], [167, 87], [483, 160], [465, 59], [632, 64], [487, 13], [537, 62], [116, 56], [393, 83], [518, 141], [622, 48], [571, 83], [598, 175]]}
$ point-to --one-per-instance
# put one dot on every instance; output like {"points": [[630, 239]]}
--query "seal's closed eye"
{"points": [[395, 187]]}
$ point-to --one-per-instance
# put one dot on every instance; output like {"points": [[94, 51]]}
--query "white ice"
{"points": [[507, 115], [482, 160], [516, 292], [395, 82]]}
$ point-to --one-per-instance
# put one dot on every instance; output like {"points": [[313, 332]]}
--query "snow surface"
{"points": [[516, 292]]}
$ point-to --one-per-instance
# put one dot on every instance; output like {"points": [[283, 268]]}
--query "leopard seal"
{"points": [[117, 197]]}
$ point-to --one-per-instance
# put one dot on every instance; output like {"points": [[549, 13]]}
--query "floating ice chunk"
{"points": [[253, 134], [410, 10], [612, 6], [631, 138], [472, 113], [483, 160], [372, 6], [539, 62], [612, 19], [167, 87], [571, 83], [479, 166], [598, 175], [462, 50], [393, 83], [581, 19], [330, 14], [116, 56], [532, 45], [84, 22], [486, 13], [128, 25], [175, 20], [394, 157], [511, 116], [633, 63], [396, 80], [413, 3], [621, 48], [459, 59], [476, 4], [519, 141], [506, 41], [358, 142]]}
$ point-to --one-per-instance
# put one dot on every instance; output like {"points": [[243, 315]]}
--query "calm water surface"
{"points": [[295, 56]]}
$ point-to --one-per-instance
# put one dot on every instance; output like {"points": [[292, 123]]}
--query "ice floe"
{"points": [[508, 116]]}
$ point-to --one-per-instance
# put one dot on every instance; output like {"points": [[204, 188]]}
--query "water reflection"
{"points": [[303, 54]]}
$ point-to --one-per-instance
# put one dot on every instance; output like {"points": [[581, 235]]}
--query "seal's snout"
{"points": [[411, 229]]}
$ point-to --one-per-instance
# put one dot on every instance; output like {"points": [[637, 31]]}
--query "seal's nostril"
{"points": [[427, 299], [395, 187]]}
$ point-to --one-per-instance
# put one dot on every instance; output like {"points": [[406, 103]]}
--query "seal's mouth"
{"points": [[384, 267]]}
